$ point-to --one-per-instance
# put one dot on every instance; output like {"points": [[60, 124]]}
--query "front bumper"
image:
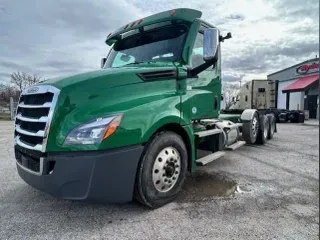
{"points": [[104, 176]]}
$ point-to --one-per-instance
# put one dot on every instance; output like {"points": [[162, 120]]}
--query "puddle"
{"points": [[201, 186]]}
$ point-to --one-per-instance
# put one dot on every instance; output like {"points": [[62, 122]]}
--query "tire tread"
{"points": [[139, 191]]}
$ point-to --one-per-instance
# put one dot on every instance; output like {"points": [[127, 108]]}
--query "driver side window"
{"points": [[197, 51]]}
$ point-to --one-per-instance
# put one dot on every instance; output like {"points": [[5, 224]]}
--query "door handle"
{"points": [[215, 102]]}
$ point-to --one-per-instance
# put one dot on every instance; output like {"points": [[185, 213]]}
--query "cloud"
{"points": [[236, 16], [12, 65], [4, 74], [231, 77], [53, 38], [285, 35], [263, 57]]}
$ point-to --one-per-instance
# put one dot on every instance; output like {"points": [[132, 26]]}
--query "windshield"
{"points": [[162, 44]]}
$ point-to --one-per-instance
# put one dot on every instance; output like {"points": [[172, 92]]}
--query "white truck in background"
{"points": [[258, 94], [262, 94]]}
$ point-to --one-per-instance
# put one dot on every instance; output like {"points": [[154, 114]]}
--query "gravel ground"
{"points": [[277, 198]]}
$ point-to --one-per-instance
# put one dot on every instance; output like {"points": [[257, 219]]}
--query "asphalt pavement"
{"points": [[276, 197]]}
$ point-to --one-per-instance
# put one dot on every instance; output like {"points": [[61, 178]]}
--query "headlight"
{"points": [[93, 132]]}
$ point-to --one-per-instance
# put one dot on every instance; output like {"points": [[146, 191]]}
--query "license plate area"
{"points": [[29, 163]]}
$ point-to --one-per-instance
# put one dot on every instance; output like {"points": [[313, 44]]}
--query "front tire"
{"points": [[162, 170]]}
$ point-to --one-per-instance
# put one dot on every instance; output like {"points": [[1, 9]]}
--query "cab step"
{"points": [[235, 145], [210, 158], [208, 132]]}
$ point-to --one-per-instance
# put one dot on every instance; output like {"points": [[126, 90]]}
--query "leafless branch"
{"points": [[22, 80]]}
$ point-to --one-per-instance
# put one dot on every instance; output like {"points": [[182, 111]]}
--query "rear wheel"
{"points": [[162, 170], [263, 130], [292, 117], [272, 126], [250, 129]]}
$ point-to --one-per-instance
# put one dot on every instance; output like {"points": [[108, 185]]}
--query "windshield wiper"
{"points": [[134, 63]]}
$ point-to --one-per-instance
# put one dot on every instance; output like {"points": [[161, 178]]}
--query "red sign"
{"points": [[308, 68]]}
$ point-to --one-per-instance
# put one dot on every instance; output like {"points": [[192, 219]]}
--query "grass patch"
{"points": [[5, 117]]}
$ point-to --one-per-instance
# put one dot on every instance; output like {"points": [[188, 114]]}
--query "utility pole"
{"points": [[11, 109]]}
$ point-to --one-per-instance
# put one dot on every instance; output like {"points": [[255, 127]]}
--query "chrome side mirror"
{"points": [[210, 43]]}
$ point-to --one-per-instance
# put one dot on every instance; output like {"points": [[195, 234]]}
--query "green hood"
{"points": [[105, 78], [87, 96]]}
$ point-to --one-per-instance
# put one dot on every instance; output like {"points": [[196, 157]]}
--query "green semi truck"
{"points": [[133, 129]]}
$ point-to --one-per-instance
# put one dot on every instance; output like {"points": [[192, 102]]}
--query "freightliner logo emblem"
{"points": [[33, 90]]}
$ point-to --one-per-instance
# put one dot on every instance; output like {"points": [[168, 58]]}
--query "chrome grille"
{"points": [[33, 116]]}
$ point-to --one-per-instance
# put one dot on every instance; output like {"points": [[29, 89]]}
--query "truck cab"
{"points": [[258, 94], [133, 128]]}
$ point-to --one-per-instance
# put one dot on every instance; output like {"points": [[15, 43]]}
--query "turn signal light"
{"points": [[112, 127]]}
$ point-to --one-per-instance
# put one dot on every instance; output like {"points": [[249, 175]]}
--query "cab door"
{"points": [[203, 93]]}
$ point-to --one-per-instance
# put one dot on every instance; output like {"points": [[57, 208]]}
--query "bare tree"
{"points": [[7, 91], [22, 80], [229, 93]]}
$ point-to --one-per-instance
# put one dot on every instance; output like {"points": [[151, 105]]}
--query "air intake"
{"points": [[158, 75]]}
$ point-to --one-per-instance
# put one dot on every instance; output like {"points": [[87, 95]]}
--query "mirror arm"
{"points": [[103, 62], [195, 71]]}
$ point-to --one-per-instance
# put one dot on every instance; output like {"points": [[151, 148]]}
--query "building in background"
{"points": [[298, 87]]}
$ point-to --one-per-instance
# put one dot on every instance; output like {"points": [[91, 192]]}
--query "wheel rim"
{"points": [[166, 169], [255, 126]]}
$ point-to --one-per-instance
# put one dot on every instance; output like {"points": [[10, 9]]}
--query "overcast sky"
{"points": [[61, 37]]}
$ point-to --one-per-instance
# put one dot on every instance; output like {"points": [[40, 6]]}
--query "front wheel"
{"points": [[162, 170]]}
